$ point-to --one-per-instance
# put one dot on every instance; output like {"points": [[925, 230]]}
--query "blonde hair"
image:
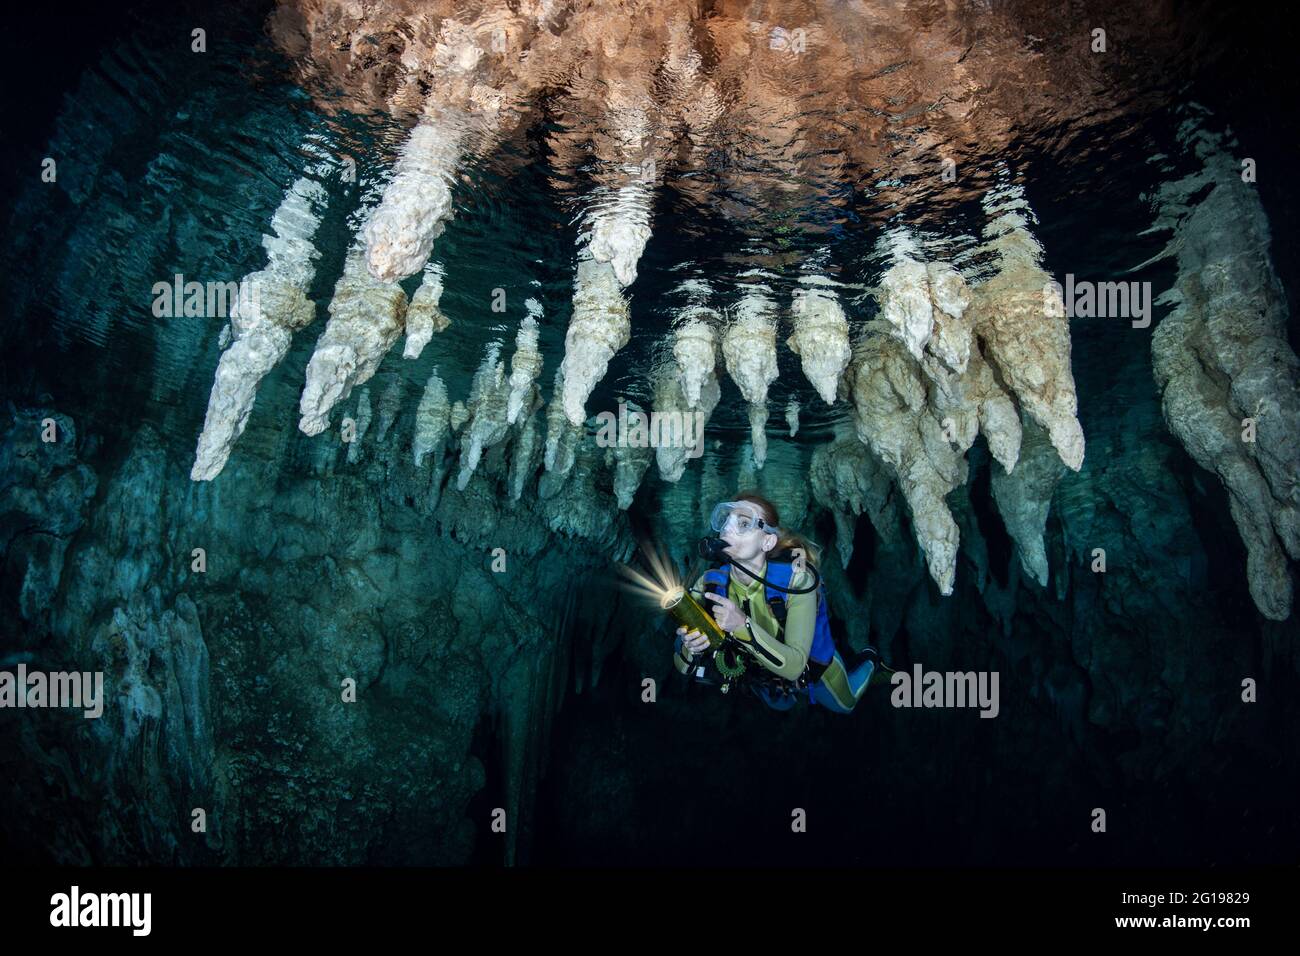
{"points": [[786, 538]]}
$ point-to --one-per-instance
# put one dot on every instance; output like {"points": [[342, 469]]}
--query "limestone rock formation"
{"points": [[432, 419], [620, 229], [562, 438], [1024, 498], [821, 336], [417, 202], [271, 306], [695, 346], [849, 480], [1228, 377], [1020, 317], [749, 348], [423, 316], [670, 403], [888, 391], [629, 463], [599, 328], [487, 413], [525, 364], [362, 425], [365, 320]]}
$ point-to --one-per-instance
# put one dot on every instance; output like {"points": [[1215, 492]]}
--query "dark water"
{"points": [[170, 162]]}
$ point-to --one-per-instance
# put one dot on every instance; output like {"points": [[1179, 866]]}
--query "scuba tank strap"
{"points": [[781, 574]]}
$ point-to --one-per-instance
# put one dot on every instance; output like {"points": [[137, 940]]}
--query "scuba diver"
{"points": [[769, 598]]}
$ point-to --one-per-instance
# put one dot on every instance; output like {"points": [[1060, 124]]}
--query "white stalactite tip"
{"points": [[525, 366], [620, 229], [365, 320], [893, 419], [424, 317], [487, 413], [749, 347], [820, 339], [670, 400], [271, 305], [562, 436], [758, 433], [695, 346], [599, 328]]}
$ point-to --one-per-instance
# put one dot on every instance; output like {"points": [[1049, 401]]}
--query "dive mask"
{"points": [[740, 517]]}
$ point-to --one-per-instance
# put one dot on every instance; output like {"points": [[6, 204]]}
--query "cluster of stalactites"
{"points": [[923, 387], [1019, 315], [1229, 380]]}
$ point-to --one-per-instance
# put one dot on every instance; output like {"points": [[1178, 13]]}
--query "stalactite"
{"points": [[432, 419], [365, 320], [487, 413], [630, 463], [1020, 317], [599, 328], [562, 438], [1024, 498], [390, 403], [459, 415], [749, 348], [526, 451], [417, 202], [888, 390], [620, 229], [694, 340], [669, 399], [618, 224], [821, 335], [525, 364], [363, 424], [1227, 375], [848, 480], [272, 305], [424, 316]]}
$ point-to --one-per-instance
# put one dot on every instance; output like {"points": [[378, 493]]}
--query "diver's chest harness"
{"points": [[731, 660]]}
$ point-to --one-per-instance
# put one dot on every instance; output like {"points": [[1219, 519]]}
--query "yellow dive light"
{"points": [[687, 611]]}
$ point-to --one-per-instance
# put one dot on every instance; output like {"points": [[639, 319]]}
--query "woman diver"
{"points": [[774, 610]]}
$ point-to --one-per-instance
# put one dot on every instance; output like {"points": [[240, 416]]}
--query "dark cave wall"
{"points": [[522, 690], [1120, 690], [224, 687]]}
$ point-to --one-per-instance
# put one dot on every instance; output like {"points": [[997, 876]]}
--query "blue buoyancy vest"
{"points": [[780, 573]]}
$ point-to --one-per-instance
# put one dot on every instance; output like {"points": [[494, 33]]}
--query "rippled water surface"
{"points": [[769, 167]]}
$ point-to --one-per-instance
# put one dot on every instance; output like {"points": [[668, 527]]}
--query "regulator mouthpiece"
{"points": [[713, 550]]}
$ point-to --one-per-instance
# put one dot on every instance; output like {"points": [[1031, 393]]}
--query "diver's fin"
{"points": [[881, 674]]}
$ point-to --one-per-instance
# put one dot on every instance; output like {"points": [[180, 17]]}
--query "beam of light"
{"points": [[657, 583]]}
